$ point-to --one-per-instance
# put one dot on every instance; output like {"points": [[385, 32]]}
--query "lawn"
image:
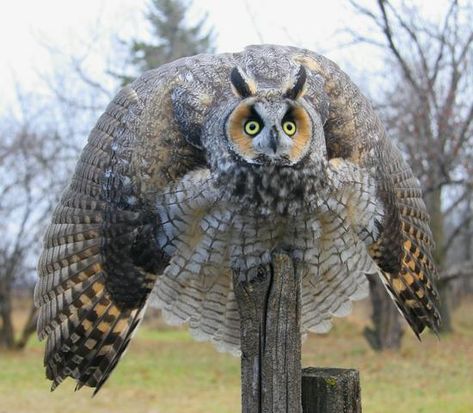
{"points": [[165, 371]]}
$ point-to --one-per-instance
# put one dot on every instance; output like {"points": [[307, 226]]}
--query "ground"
{"points": [[165, 371]]}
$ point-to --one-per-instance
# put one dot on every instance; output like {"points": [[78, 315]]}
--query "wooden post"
{"points": [[269, 302], [331, 391], [268, 298]]}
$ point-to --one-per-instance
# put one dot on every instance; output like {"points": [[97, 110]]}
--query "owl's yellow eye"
{"points": [[252, 127], [289, 127]]}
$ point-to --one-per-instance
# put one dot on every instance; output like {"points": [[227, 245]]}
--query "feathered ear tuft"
{"points": [[242, 86], [297, 90]]}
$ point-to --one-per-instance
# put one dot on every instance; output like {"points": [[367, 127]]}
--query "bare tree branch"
{"points": [[464, 269], [253, 22], [390, 38], [456, 232], [453, 207]]}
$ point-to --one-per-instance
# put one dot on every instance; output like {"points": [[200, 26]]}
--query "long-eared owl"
{"points": [[208, 165]]}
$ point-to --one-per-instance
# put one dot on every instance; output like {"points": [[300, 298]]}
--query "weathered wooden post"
{"points": [[331, 390], [269, 303]]}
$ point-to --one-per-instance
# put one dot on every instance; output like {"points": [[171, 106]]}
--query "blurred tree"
{"points": [[29, 186], [38, 148], [40, 140], [172, 36], [427, 106]]}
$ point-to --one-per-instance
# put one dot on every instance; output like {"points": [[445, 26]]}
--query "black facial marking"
{"points": [[289, 114], [254, 115]]}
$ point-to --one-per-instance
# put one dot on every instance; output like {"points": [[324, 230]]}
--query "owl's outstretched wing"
{"points": [[403, 250], [100, 258]]}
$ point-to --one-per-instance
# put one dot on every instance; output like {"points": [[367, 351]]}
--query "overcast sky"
{"points": [[30, 29]]}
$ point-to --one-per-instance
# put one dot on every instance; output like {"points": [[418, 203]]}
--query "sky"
{"points": [[36, 35], [39, 38]]}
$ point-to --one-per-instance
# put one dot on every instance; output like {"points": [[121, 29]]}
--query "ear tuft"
{"points": [[241, 85], [297, 90]]}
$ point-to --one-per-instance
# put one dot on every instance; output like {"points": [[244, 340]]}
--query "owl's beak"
{"points": [[273, 139], [270, 145]]}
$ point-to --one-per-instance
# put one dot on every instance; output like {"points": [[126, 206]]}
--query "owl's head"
{"points": [[262, 135], [269, 125]]}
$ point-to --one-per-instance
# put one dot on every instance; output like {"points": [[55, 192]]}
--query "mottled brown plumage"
{"points": [[156, 189]]}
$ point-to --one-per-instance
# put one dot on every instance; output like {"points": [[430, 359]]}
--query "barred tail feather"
{"points": [[112, 349], [209, 308], [227, 337], [416, 304]]}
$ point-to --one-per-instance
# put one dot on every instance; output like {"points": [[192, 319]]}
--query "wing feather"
{"points": [[403, 250], [100, 258]]}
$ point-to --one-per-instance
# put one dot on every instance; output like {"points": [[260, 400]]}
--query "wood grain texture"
{"points": [[269, 304], [327, 390]]}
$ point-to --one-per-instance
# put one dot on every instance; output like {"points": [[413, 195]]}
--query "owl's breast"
{"points": [[207, 227], [273, 190], [209, 234]]}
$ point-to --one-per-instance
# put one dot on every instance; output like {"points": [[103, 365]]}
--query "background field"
{"points": [[165, 371]]}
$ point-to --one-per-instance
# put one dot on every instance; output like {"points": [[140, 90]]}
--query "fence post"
{"points": [[331, 390], [269, 303], [268, 299]]}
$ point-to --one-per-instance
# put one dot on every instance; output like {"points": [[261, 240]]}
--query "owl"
{"points": [[209, 165]]}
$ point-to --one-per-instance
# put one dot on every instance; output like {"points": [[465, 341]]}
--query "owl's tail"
{"points": [[211, 310]]}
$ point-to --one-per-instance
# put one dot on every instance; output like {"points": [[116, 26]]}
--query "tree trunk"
{"points": [[467, 282], [445, 291], [434, 205], [29, 328], [7, 336], [386, 332]]}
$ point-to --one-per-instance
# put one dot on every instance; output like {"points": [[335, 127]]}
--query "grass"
{"points": [[165, 371]]}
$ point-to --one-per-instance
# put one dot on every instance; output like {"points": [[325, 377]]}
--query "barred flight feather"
{"points": [[86, 323]]}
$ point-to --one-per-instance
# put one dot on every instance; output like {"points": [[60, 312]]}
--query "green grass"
{"points": [[167, 372]]}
